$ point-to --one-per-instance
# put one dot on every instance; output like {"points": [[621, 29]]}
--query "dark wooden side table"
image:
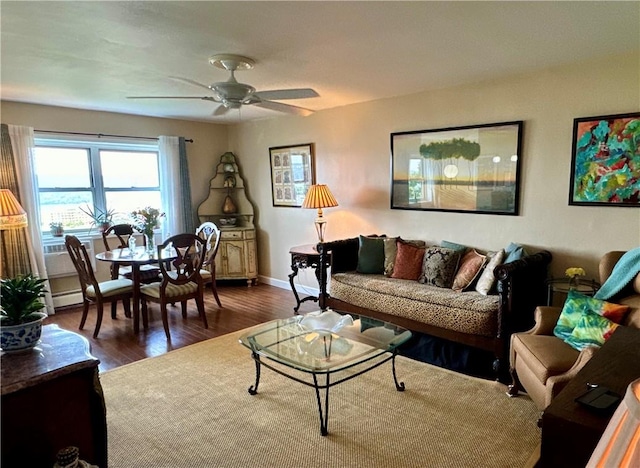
{"points": [[570, 431], [305, 256], [52, 399]]}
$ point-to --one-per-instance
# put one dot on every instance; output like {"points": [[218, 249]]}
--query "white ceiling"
{"points": [[92, 55]]}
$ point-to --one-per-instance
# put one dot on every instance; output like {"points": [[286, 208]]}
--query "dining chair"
{"points": [[210, 232], [111, 291], [122, 232], [181, 279]]}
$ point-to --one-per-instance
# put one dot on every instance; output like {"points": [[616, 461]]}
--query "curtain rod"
{"points": [[100, 135]]}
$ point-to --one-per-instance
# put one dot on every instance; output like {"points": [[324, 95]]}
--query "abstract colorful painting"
{"points": [[605, 167]]}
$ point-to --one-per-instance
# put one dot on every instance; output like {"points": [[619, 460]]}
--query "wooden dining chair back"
{"points": [[210, 232], [181, 279], [93, 291]]}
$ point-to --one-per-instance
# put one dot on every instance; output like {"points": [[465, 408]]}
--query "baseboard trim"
{"points": [[64, 300], [303, 290]]}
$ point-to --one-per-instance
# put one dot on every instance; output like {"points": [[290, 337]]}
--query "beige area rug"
{"points": [[190, 408]]}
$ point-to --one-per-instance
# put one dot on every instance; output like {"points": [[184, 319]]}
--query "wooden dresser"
{"points": [[51, 399]]}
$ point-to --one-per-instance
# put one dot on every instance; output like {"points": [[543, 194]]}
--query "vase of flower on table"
{"points": [[145, 221]]}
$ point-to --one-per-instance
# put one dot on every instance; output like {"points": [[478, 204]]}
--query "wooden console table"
{"points": [[51, 399], [570, 431], [305, 256]]}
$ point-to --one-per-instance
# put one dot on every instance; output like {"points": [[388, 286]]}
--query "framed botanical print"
{"points": [[292, 173], [470, 169], [605, 164]]}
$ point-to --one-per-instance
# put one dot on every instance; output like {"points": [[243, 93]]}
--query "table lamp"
{"points": [[319, 196], [12, 215]]}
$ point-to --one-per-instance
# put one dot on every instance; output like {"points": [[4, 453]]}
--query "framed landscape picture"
{"points": [[471, 169], [605, 164], [292, 173]]}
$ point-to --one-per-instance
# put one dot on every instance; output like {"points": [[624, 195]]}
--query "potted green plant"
{"points": [[102, 219], [57, 229], [20, 316]]}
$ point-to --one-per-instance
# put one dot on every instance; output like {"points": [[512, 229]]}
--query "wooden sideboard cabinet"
{"points": [[236, 258], [52, 399]]}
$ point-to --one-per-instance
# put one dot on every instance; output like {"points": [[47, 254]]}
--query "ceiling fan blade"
{"points": [[279, 94], [193, 82], [220, 110], [203, 98], [288, 108]]}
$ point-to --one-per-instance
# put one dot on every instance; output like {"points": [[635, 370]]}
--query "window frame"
{"points": [[94, 146]]}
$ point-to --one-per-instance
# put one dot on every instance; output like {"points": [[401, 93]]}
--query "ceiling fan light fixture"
{"points": [[231, 62]]}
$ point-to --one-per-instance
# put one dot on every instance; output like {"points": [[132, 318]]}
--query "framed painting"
{"points": [[605, 164], [471, 169], [292, 173]]}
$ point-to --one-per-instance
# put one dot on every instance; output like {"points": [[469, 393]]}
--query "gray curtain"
{"points": [[187, 209]]}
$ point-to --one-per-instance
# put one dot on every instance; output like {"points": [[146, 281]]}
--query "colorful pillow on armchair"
{"points": [[592, 330], [577, 304]]}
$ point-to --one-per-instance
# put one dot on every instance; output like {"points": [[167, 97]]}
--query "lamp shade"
{"points": [[12, 215], [319, 196]]}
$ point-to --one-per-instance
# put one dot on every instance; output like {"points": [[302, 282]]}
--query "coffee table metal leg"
{"points": [[324, 417], [254, 388], [399, 385]]}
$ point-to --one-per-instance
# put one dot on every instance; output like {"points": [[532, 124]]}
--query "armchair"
{"points": [[541, 363]]}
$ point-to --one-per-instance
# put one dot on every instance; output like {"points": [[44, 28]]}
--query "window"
{"points": [[96, 176]]}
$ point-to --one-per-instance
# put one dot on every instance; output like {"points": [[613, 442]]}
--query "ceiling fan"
{"points": [[232, 95]]}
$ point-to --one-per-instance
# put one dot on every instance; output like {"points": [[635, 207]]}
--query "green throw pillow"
{"points": [[371, 255], [592, 330], [462, 249], [577, 304]]}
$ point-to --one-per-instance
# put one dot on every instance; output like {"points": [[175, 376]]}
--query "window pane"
{"points": [[122, 169], [126, 202], [65, 207], [62, 167]]}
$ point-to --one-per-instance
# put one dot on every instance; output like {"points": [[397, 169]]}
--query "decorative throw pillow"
{"points": [[591, 330], [470, 266], [577, 304], [487, 278], [453, 246], [439, 266], [370, 255], [408, 261], [390, 252], [514, 252]]}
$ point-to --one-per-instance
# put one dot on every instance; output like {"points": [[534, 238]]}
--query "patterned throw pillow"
{"points": [[391, 251], [591, 330], [408, 263], [488, 279], [577, 304], [439, 266], [370, 255], [470, 266]]}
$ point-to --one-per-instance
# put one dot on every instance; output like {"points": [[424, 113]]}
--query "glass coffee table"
{"points": [[323, 350]]}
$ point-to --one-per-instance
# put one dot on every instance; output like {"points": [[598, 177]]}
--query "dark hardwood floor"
{"points": [[242, 307]]}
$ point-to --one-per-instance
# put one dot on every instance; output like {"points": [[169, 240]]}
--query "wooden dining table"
{"points": [[140, 256]]}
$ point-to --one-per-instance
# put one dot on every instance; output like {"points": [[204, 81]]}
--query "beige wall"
{"points": [[353, 158]]}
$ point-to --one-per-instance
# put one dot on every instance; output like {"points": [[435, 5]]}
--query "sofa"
{"points": [[478, 321], [542, 363]]}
